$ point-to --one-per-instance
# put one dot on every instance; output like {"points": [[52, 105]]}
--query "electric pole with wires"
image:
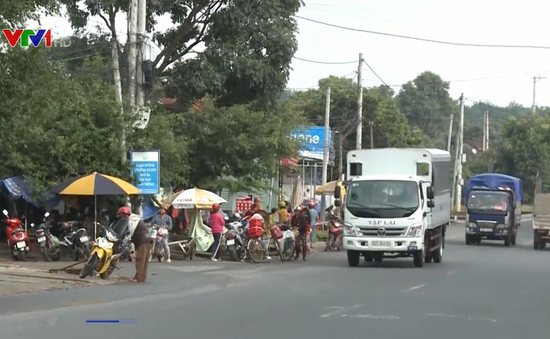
{"points": [[359, 140]]}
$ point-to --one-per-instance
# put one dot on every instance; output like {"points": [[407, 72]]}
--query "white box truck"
{"points": [[397, 204]]}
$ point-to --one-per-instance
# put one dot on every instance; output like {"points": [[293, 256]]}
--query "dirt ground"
{"points": [[27, 277]]}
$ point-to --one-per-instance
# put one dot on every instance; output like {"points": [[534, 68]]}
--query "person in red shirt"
{"points": [[216, 222]]}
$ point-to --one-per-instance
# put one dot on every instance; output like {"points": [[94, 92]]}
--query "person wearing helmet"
{"points": [[283, 214], [313, 216], [164, 220], [216, 222], [139, 236], [300, 221]]}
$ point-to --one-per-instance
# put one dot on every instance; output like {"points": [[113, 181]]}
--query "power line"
{"points": [[325, 62], [441, 42]]}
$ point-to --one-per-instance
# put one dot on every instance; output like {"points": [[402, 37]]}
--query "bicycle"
{"points": [[260, 246]]}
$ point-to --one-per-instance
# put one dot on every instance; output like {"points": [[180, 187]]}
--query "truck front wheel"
{"points": [[418, 258], [353, 258]]}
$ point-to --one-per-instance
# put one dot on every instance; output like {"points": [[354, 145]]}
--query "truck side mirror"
{"points": [[430, 192], [337, 202], [430, 204]]}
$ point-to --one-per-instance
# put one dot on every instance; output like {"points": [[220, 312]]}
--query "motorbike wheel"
{"points": [[232, 251], [89, 266], [46, 253], [289, 251], [105, 275], [56, 256], [151, 252], [86, 252], [331, 241], [22, 255]]}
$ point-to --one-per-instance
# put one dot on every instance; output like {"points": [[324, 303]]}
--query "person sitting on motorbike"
{"points": [[165, 221], [283, 214], [300, 221]]}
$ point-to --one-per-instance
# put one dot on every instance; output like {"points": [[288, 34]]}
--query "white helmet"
{"points": [[237, 215]]}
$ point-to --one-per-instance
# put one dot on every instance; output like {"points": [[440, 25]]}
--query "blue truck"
{"points": [[493, 208]]}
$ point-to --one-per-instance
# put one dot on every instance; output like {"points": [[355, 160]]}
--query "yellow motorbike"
{"points": [[102, 259]]}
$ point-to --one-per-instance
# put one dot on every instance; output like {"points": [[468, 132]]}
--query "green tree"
{"points": [[17, 12], [248, 45], [237, 146], [525, 151], [57, 125], [390, 127], [426, 103]]}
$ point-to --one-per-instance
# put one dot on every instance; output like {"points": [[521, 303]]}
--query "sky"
{"points": [[497, 75]]}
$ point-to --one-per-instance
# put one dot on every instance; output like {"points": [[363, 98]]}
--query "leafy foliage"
{"points": [[238, 143]]}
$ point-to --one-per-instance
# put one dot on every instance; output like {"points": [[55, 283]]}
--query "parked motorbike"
{"points": [[287, 243], [18, 239], [107, 251], [235, 238], [335, 234], [157, 249], [49, 244], [76, 239]]}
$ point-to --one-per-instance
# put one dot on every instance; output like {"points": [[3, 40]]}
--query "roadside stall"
{"points": [[200, 236]]}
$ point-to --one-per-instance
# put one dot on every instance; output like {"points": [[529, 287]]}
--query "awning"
{"points": [[18, 188]]}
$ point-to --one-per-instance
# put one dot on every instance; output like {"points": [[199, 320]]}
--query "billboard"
{"points": [[313, 141]]}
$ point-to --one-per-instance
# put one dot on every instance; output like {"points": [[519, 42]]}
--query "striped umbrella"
{"points": [[95, 184]]}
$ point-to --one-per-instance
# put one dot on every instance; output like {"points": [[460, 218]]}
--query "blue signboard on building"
{"points": [[146, 171], [313, 141]]}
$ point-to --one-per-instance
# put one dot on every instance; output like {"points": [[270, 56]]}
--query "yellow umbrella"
{"points": [[196, 198], [327, 188], [95, 184]]}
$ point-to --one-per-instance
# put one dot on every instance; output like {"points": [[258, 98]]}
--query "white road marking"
{"points": [[416, 287], [374, 316], [525, 243], [457, 317], [338, 311], [450, 273]]}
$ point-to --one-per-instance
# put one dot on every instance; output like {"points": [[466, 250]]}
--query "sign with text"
{"points": [[146, 171], [313, 141], [28, 37]]}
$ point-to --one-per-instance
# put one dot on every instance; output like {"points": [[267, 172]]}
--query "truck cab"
{"points": [[493, 208], [391, 209]]}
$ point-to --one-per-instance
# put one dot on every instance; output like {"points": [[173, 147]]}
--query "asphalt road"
{"points": [[485, 291]]}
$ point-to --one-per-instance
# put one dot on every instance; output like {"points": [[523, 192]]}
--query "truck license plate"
{"points": [[486, 230], [380, 243]]}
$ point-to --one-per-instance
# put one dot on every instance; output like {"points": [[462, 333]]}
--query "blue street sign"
{"points": [[313, 141], [146, 171]]}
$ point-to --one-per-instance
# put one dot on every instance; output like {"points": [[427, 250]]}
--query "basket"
{"points": [[254, 232], [276, 232]]}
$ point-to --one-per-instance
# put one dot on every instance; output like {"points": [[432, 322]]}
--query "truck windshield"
{"points": [[488, 202], [383, 198]]}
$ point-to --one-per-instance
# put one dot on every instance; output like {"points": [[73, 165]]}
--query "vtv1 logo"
{"points": [[35, 37]]}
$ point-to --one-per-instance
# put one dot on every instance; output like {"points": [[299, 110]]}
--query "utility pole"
{"points": [[359, 140], [487, 132], [326, 145], [340, 155], [460, 148], [371, 134], [484, 137], [535, 80], [326, 149], [141, 48], [450, 133], [132, 38]]}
